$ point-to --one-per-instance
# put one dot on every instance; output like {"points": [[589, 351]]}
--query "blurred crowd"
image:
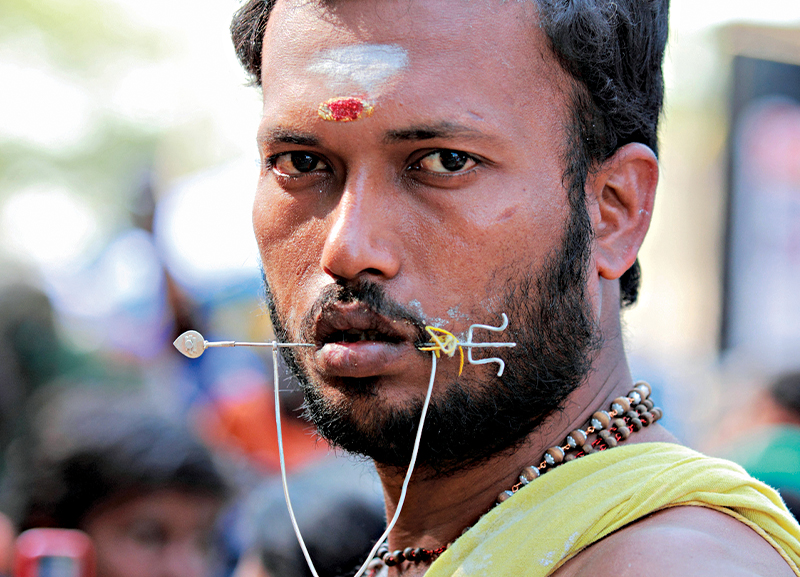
{"points": [[169, 465]]}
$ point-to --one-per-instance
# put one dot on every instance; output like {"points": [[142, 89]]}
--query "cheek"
{"points": [[121, 556], [290, 245]]}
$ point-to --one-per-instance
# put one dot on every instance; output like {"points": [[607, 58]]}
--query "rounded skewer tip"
{"points": [[191, 344]]}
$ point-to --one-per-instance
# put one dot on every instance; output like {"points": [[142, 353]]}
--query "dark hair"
{"points": [[338, 536], [613, 50], [108, 455]]}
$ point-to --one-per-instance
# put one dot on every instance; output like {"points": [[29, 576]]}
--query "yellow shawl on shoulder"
{"points": [[579, 503]]}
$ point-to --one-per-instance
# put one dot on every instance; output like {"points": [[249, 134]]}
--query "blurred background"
{"points": [[128, 166]]}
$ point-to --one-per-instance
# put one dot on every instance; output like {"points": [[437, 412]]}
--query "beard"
{"points": [[472, 419]]}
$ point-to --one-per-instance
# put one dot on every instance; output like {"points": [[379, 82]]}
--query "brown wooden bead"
{"points": [[648, 403], [570, 457], [621, 405], [641, 409], [588, 449], [621, 427], [528, 474], [555, 454], [647, 418], [608, 438], [601, 420], [504, 496], [646, 389], [633, 416], [576, 438]]}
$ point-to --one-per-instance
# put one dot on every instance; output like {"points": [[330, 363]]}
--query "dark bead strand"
{"points": [[627, 415], [413, 554]]}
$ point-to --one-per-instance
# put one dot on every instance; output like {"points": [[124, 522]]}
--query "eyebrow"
{"points": [[281, 135], [415, 133], [445, 130]]}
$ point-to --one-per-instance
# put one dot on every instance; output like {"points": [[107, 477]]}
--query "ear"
{"points": [[622, 190]]}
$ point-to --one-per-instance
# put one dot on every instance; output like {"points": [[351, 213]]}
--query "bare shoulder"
{"points": [[681, 541]]}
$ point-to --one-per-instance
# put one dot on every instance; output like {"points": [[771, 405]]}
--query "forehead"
{"points": [[483, 58]]}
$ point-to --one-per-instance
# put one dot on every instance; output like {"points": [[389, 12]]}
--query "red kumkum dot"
{"points": [[343, 109]]}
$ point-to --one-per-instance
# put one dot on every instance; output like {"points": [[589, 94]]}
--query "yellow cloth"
{"points": [[577, 504]]}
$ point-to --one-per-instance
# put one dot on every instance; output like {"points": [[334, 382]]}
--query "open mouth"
{"points": [[354, 341], [356, 335]]}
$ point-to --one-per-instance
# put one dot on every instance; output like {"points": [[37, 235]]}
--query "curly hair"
{"points": [[612, 49]]}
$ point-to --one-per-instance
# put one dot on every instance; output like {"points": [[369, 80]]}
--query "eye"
{"points": [[446, 161], [148, 533], [296, 163]]}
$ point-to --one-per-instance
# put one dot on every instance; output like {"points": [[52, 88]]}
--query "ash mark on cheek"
{"points": [[416, 307], [456, 314]]}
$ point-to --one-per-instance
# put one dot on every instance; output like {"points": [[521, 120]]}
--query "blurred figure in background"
{"points": [[770, 448], [30, 353], [7, 535], [340, 513], [145, 491]]}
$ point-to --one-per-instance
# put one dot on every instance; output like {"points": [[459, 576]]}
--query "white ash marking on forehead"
{"points": [[368, 66]]}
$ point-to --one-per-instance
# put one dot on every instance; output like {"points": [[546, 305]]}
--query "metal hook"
{"points": [[470, 345], [449, 344]]}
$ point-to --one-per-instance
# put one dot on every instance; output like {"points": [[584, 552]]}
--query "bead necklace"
{"points": [[626, 416]]}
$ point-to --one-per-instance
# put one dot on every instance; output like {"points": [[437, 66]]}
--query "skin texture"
{"points": [[163, 534], [376, 204]]}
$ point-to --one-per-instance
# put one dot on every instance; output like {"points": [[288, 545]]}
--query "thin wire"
{"points": [[406, 481], [275, 377], [408, 475]]}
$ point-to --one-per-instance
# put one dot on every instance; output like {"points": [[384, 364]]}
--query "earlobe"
{"points": [[623, 190]]}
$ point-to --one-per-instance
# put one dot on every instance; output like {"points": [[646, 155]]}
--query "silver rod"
{"points": [[476, 345], [246, 344]]}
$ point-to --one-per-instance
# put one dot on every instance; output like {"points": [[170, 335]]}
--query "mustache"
{"points": [[369, 295]]}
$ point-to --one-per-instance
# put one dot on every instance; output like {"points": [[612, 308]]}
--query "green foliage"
{"points": [[85, 41], [77, 34]]}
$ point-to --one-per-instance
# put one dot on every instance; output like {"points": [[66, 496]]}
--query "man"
{"points": [[143, 488], [441, 163]]}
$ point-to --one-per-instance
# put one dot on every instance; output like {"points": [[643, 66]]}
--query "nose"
{"points": [[361, 239]]}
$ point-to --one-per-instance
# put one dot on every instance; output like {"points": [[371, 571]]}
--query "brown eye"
{"points": [[444, 161], [297, 163]]}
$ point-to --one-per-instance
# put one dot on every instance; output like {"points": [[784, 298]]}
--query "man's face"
{"points": [[162, 534], [447, 203]]}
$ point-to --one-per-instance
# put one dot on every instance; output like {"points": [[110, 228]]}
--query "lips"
{"points": [[353, 341]]}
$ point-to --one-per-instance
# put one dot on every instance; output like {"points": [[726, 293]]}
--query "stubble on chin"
{"points": [[478, 415]]}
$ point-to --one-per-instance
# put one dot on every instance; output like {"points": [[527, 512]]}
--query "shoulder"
{"points": [[681, 541]]}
